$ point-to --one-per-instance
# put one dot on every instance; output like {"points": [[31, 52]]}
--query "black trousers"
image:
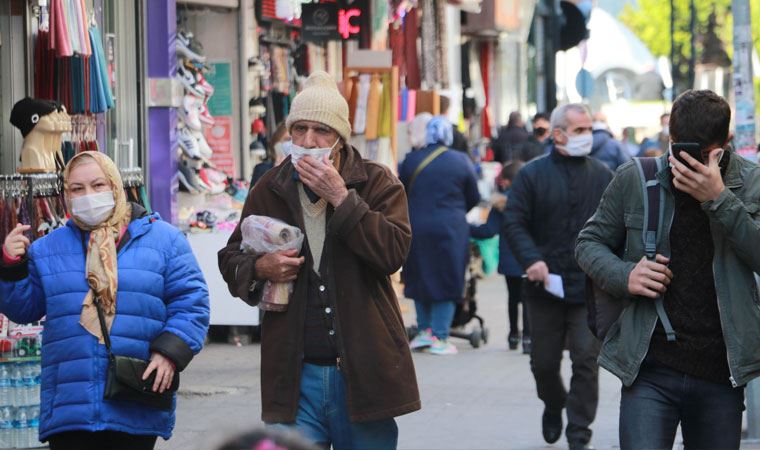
{"points": [[555, 322], [101, 440], [514, 298]]}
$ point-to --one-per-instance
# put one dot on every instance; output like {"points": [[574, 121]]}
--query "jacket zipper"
{"points": [[720, 314]]}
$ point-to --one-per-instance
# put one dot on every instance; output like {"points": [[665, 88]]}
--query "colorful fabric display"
{"points": [[411, 105], [360, 119], [384, 127], [374, 113], [402, 104]]}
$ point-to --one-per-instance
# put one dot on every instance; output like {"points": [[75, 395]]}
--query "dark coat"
{"points": [[508, 142], [439, 200], [608, 150], [508, 265], [367, 239], [550, 201], [532, 148]]}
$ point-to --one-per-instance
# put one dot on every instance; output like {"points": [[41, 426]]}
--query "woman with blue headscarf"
{"points": [[441, 186]]}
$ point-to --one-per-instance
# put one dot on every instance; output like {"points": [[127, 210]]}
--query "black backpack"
{"points": [[603, 311]]}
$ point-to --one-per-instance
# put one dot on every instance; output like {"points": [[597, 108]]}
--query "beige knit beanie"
{"points": [[320, 101]]}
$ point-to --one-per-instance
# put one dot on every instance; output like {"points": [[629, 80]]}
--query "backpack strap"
{"points": [[654, 212], [425, 162]]}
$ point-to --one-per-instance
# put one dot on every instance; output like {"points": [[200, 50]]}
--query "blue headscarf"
{"points": [[439, 131]]}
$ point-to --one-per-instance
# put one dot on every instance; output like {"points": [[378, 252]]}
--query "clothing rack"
{"points": [[393, 71]]}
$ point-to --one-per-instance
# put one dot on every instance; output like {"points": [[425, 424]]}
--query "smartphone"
{"points": [[693, 149]]}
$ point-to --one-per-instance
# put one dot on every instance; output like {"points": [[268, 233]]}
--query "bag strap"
{"points": [[654, 212], [425, 162]]}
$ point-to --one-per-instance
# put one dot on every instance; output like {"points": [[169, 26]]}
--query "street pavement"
{"points": [[479, 399]]}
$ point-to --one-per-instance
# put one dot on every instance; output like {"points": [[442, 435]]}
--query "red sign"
{"points": [[345, 28], [219, 138]]}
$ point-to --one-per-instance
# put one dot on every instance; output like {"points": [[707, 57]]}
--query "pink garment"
{"points": [[59, 34], [411, 105]]}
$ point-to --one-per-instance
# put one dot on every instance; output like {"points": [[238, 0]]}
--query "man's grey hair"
{"points": [[559, 115]]}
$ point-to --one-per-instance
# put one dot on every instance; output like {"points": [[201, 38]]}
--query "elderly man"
{"points": [[336, 364], [551, 199]]}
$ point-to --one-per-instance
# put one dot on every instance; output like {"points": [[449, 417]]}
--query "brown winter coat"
{"points": [[367, 239]]}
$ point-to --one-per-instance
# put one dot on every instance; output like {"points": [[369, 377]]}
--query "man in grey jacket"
{"points": [[706, 256]]}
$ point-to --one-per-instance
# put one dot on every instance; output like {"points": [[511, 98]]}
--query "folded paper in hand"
{"points": [[554, 286]]}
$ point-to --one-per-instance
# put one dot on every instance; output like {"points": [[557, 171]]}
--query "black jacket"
{"points": [[550, 201], [508, 142]]}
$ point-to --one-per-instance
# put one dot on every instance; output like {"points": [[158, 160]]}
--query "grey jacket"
{"points": [[610, 245]]}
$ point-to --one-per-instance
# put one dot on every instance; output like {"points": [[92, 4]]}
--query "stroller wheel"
{"points": [[411, 332], [475, 337], [485, 335]]}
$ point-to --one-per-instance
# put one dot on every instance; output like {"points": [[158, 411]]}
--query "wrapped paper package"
{"points": [[263, 235]]}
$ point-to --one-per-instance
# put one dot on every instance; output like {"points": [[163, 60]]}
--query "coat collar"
{"points": [[139, 225]]}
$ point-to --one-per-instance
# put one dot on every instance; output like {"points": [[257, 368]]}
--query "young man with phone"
{"points": [[704, 268]]}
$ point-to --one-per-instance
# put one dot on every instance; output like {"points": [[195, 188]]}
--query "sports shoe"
{"points": [[188, 144], [188, 48], [205, 150], [206, 116], [442, 347], [187, 78], [423, 339], [190, 112], [512, 341], [188, 179], [207, 88], [527, 345]]}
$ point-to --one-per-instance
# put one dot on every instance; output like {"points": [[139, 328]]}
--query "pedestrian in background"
{"points": [[153, 296], [605, 147], [459, 141], [706, 256], [336, 363], [510, 139], [275, 153], [538, 141], [442, 187], [508, 265], [629, 141], [551, 199]]}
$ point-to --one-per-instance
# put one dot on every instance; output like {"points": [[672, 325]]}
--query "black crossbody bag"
{"points": [[124, 374]]}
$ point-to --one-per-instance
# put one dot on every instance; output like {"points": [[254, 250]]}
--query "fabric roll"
{"points": [[60, 41], [85, 30], [412, 66], [374, 113], [99, 54], [402, 104], [70, 15], [384, 126], [360, 121]]}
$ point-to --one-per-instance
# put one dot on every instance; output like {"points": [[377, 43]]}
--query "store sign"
{"points": [[219, 138], [220, 76], [324, 22], [319, 22]]}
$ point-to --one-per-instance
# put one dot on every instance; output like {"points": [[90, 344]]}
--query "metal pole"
{"points": [[693, 31], [744, 94], [673, 67]]}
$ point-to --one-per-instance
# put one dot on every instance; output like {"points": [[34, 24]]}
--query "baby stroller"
{"points": [[466, 310]]}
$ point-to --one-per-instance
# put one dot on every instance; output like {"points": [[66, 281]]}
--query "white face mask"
{"points": [[297, 152], [579, 145], [93, 209]]}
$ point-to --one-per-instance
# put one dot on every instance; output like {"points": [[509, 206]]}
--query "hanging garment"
{"points": [[485, 71], [429, 39], [410, 50], [396, 43], [360, 119], [403, 98], [353, 99], [384, 127], [59, 35], [442, 44], [102, 84], [373, 108], [72, 27], [385, 153], [411, 107]]}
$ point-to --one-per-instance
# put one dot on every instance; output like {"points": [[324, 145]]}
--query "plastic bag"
{"points": [[262, 235]]}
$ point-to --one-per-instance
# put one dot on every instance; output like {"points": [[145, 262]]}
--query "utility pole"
{"points": [[744, 136], [673, 67]]}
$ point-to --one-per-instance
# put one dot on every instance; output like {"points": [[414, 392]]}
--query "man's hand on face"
{"points": [[650, 278], [703, 182], [280, 267], [322, 178]]}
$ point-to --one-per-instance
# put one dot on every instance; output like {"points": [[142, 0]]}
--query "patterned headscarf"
{"points": [[439, 131], [102, 276]]}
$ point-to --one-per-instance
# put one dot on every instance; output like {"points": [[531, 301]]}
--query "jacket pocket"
{"points": [[754, 210], [396, 331], [634, 240]]}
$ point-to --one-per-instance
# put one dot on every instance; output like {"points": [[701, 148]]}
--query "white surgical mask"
{"points": [[93, 209], [297, 152], [579, 145]]}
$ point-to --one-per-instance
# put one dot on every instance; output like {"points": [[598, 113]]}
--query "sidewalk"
{"points": [[480, 399]]}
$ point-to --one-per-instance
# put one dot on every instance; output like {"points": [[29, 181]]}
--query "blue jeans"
{"points": [[650, 410], [436, 316], [323, 415]]}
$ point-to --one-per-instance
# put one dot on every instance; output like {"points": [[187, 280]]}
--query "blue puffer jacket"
{"points": [[162, 305]]}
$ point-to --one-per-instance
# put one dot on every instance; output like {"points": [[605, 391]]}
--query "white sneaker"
{"points": [[424, 339], [441, 347]]}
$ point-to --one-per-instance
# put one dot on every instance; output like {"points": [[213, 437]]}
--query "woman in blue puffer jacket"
{"points": [[143, 274]]}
